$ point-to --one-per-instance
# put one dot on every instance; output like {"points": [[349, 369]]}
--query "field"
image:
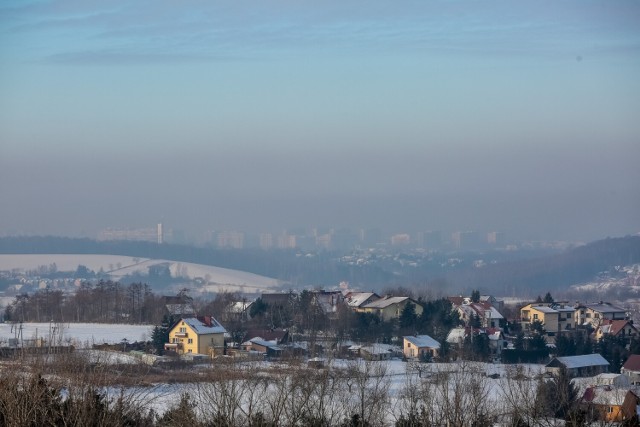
{"points": [[214, 279]]}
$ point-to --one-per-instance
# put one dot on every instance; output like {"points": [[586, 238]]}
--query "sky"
{"points": [[521, 117]]}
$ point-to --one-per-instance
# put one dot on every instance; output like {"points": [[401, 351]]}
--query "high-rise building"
{"points": [[160, 234], [266, 240], [496, 238]]}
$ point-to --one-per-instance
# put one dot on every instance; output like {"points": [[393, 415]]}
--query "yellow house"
{"points": [[420, 346], [200, 335], [554, 316], [389, 307]]}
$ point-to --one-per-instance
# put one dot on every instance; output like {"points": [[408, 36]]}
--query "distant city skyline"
{"points": [[519, 117]]}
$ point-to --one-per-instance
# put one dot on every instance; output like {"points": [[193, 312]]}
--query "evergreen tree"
{"points": [[548, 298]]}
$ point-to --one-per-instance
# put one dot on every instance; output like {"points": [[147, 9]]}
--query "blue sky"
{"points": [[494, 108]]}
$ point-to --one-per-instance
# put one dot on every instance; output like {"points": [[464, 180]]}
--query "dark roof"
{"points": [[277, 299], [632, 363]]}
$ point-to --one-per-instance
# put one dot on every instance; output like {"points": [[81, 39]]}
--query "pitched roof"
{"points": [[422, 341], [613, 327], [204, 325], [356, 299], [386, 302], [605, 307], [583, 361], [632, 363], [278, 335]]}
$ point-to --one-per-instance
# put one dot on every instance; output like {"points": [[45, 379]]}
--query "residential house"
{"points": [[605, 403], [497, 342], [378, 351], [420, 347], [279, 336], [594, 313], [269, 348], [357, 299], [200, 335], [490, 299], [586, 365], [240, 310], [328, 301], [631, 369], [180, 305], [555, 317], [487, 315], [389, 307], [616, 328]]}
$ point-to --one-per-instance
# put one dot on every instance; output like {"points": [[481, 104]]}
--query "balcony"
{"points": [[180, 334], [172, 345]]}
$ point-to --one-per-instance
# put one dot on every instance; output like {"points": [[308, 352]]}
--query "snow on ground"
{"points": [[78, 334], [215, 278]]}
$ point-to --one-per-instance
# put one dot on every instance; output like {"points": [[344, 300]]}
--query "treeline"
{"points": [[101, 302]]}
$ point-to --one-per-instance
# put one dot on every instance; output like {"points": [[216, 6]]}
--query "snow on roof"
{"points": [[386, 302], [543, 309], [456, 335], [605, 307], [422, 341], [200, 327], [573, 362], [379, 348], [269, 344], [355, 299], [605, 395]]}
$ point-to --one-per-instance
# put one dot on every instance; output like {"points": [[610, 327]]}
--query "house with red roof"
{"points": [[616, 328], [631, 368]]}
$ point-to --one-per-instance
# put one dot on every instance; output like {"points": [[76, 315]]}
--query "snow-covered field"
{"points": [[215, 278], [78, 334]]}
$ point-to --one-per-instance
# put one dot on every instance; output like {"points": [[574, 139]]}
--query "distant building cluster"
{"points": [[157, 235]]}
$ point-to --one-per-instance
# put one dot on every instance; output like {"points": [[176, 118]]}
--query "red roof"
{"points": [[632, 363], [615, 326]]}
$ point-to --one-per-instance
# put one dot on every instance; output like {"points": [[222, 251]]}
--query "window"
{"points": [[535, 316], [597, 315], [190, 340], [183, 330], [190, 351], [588, 315]]}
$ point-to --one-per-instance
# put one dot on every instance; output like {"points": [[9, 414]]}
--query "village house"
{"points": [[555, 317], [487, 315], [356, 299], [379, 351], [268, 348], [420, 347], [604, 403], [497, 341], [616, 328], [631, 369], [586, 365], [595, 313], [199, 335], [389, 307]]}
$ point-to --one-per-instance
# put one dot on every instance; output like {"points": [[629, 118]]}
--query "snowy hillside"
{"points": [[213, 278]]}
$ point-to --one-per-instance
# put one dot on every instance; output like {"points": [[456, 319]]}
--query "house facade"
{"points": [[197, 335], [420, 347], [555, 317], [595, 313], [389, 307]]}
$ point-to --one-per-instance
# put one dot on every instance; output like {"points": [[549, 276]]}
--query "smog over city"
{"points": [[276, 116]]}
